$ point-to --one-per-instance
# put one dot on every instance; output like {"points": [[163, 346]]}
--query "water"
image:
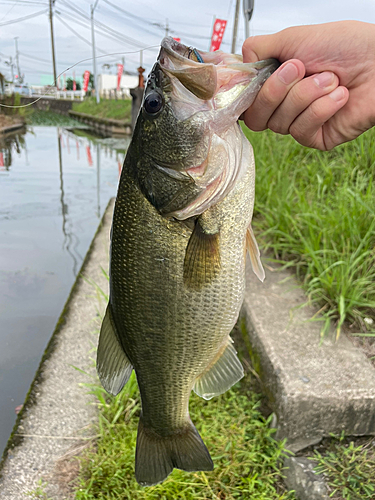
{"points": [[54, 186]]}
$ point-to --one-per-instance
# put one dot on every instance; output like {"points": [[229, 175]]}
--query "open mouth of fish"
{"points": [[224, 79], [216, 87]]}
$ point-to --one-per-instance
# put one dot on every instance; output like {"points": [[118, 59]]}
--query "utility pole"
{"points": [[18, 61], [235, 27], [212, 30], [166, 28], [10, 64], [248, 9], [93, 52], [55, 82]]}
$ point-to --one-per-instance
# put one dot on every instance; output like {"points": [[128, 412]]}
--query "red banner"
{"points": [[217, 34], [86, 78], [74, 82], [177, 39], [89, 157], [1, 159], [120, 69]]}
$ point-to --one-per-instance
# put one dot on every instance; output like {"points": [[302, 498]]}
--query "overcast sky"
{"points": [[121, 33]]}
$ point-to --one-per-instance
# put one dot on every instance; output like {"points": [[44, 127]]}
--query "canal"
{"points": [[55, 184]]}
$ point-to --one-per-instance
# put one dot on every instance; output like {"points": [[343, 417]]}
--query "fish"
{"points": [[180, 233]]}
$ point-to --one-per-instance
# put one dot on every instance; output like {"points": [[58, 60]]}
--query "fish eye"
{"points": [[153, 103]]}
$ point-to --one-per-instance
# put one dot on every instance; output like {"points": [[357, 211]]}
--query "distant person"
{"points": [[324, 92]]}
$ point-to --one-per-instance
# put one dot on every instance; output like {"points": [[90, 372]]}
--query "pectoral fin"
{"points": [[221, 374], [252, 247], [202, 257], [112, 364]]}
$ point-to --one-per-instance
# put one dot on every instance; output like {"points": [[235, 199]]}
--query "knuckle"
{"points": [[277, 126], [267, 98]]}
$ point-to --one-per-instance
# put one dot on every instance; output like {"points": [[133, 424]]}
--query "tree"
{"points": [[69, 84]]}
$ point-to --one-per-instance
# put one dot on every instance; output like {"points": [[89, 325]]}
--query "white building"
{"points": [[108, 83]]}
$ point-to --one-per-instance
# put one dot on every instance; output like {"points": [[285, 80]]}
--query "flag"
{"points": [[86, 78], [120, 69], [177, 39], [89, 157], [217, 34]]}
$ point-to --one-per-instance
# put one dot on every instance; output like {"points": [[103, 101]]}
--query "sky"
{"points": [[142, 25]]}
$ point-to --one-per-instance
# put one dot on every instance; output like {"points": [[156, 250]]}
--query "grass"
{"points": [[107, 108], [349, 468], [246, 456], [314, 212]]}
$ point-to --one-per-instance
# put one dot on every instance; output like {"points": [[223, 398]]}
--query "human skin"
{"points": [[323, 94]]}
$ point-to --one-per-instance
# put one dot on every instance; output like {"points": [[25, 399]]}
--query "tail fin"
{"points": [[156, 455]]}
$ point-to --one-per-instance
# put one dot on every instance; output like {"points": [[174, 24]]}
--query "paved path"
{"points": [[58, 414]]}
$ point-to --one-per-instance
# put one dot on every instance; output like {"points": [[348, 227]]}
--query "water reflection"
{"points": [[54, 186], [9, 144]]}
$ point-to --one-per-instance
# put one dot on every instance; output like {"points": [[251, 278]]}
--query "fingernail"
{"points": [[288, 74], [338, 94], [324, 80]]}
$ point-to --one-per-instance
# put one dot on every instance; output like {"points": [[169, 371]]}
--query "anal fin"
{"points": [[221, 374], [253, 249], [112, 364]]}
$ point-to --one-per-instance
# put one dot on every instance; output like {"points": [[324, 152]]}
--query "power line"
{"points": [[127, 21], [75, 32], [116, 35], [25, 17]]}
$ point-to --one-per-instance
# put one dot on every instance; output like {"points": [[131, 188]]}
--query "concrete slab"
{"points": [[313, 389], [58, 411]]}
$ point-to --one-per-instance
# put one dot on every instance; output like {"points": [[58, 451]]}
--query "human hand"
{"points": [[323, 94]]}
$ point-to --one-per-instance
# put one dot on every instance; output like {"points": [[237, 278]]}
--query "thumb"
{"points": [[257, 48]]}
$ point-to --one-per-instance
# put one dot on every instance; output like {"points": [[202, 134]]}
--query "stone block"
{"points": [[315, 387]]}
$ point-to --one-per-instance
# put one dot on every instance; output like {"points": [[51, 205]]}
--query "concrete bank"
{"points": [[315, 388], [11, 128], [107, 126], [57, 415]]}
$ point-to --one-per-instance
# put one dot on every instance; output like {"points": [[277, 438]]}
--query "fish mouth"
{"points": [[222, 78]]}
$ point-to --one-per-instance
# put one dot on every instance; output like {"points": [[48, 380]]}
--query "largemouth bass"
{"points": [[181, 227]]}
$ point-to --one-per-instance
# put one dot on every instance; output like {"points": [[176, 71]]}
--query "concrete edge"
{"points": [[12, 128], [30, 399]]}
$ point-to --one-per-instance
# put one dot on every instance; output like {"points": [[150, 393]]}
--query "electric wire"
{"points": [[19, 19]]}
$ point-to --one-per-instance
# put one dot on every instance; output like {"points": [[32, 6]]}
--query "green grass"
{"points": [[314, 212], [246, 457], [349, 468], [107, 108]]}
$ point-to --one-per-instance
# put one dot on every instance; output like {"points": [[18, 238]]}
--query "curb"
{"points": [[58, 412]]}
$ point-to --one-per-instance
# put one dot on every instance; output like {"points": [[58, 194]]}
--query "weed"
{"points": [[246, 456], [314, 211]]}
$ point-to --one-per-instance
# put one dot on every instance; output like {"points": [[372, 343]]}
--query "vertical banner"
{"points": [[86, 78], [89, 157], [120, 69], [74, 81], [1, 159], [217, 34]]}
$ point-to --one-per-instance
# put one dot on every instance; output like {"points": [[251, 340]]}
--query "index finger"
{"points": [[272, 94]]}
